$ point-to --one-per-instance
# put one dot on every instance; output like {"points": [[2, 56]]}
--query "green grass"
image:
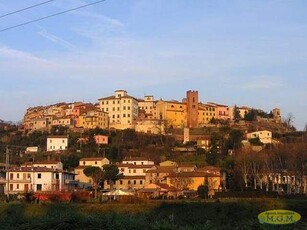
{"points": [[227, 214]]}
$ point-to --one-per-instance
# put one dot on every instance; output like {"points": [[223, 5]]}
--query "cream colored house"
{"points": [[133, 170], [264, 136], [63, 121], [57, 143], [122, 109]]}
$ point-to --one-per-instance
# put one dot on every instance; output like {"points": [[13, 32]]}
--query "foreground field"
{"points": [[226, 214]]}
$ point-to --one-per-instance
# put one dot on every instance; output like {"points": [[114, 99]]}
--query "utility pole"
{"points": [[7, 167]]}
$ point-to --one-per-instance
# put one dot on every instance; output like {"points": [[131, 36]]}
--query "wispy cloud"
{"points": [[9, 53], [263, 82], [57, 40]]}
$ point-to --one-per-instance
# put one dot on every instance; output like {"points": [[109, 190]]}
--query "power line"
{"points": [[27, 8], [52, 15]]}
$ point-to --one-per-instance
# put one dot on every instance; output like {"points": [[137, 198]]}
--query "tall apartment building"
{"points": [[122, 109]]}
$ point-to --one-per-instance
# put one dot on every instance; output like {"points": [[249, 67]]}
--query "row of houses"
{"points": [[122, 111], [137, 173]]}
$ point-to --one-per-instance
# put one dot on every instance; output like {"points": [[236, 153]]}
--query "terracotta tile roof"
{"points": [[162, 169], [135, 166], [133, 177], [92, 159], [36, 169], [192, 174], [136, 159]]}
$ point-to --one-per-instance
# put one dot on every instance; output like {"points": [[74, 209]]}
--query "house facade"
{"points": [[122, 109], [57, 143], [264, 136], [38, 179]]}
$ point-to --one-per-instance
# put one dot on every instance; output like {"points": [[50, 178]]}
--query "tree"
{"points": [[236, 114], [202, 191], [111, 174], [181, 181], [97, 174]]}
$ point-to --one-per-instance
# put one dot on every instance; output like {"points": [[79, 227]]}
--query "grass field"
{"points": [[225, 214]]}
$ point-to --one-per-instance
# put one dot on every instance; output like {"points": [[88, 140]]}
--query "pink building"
{"points": [[101, 139], [223, 111]]}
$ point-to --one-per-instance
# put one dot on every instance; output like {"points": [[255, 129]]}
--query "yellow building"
{"points": [[206, 112], [192, 180], [83, 180], [93, 119], [173, 112]]}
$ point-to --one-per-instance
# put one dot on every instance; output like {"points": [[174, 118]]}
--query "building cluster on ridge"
{"points": [[122, 111]]}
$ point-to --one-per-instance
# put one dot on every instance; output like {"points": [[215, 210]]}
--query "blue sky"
{"points": [[243, 52]]}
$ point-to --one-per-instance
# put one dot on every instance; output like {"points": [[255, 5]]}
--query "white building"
{"points": [[264, 136], [57, 143], [137, 161], [38, 179], [122, 109]]}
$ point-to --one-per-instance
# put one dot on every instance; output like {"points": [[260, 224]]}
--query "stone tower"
{"points": [[192, 109], [276, 115]]}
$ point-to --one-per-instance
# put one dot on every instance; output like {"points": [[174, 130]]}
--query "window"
{"points": [[17, 176], [141, 182], [39, 175], [29, 175], [134, 170], [95, 162], [63, 141], [113, 102], [17, 186], [124, 108], [124, 115], [128, 107], [11, 176], [39, 187], [50, 141], [128, 181], [134, 182], [11, 187], [120, 182]]}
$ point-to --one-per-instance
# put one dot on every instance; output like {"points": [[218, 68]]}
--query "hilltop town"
{"points": [[122, 111], [151, 148]]}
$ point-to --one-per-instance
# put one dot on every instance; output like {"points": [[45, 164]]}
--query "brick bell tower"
{"points": [[192, 109]]}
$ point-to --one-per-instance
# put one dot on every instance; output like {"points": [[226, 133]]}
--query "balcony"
{"points": [[69, 181], [19, 181], [55, 181], [3, 180]]}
